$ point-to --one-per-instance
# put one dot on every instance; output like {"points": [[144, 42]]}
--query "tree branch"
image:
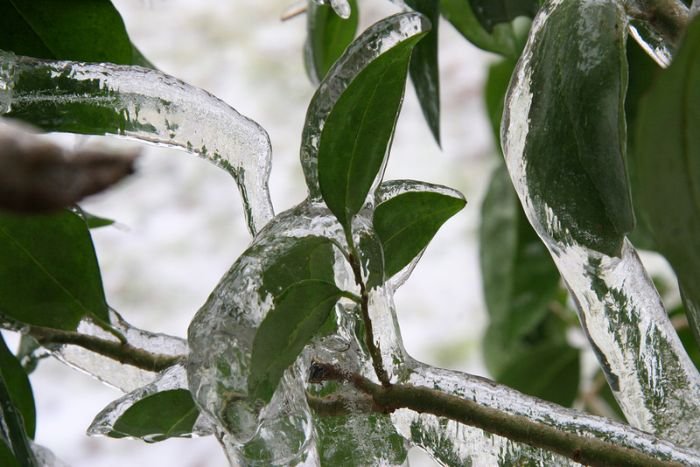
{"points": [[584, 449], [122, 352]]}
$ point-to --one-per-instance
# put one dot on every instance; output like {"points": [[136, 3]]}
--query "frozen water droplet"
{"points": [[142, 104], [650, 373]]}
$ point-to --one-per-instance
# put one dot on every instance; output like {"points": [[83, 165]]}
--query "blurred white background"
{"points": [[180, 224]]}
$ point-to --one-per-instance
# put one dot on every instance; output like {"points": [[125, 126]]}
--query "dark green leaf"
{"points": [[301, 282], [19, 387], [95, 222], [81, 30], [548, 372], [357, 134], [328, 36], [495, 93], [298, 313], [160, 416], [506, 39], [7, 457], [668, 166], [49, 275], [642, 71], [407, 222], [520, 279], [576, 134], [309, 258], [493, 12], [13, 423], [424, 66]]}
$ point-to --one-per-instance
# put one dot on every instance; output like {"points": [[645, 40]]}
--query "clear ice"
{"points": [[652, 39], [145, 105], [341, 7], [654, 381]]}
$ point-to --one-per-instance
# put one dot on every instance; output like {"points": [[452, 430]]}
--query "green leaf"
{"points": [[520, 279], [301, 282], [328, 37], [19, 387], [163, 415], [576, 135], [49, 275], [492, 12], [506, 39], [95, 222], [14, 427], [7, 457], [356, 136], [495, 93], [668, 166], [81, 30], [406, 223], [424, 66], [549, 372], [642, 72], [299, 312]]}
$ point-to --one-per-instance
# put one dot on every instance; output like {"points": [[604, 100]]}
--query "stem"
{"points": [[122, 352], [580, 448], [372, 347], [669, 18]]}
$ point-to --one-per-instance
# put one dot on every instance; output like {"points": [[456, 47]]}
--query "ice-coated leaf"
{"points": [[618, 306], [19, 387], [668, 166], [13, 428], [359, 439], [424, 70], [7, 457], [158, 417], [356, 137], [94, 221], [576, 137], [159, 410], [379, 38], [49, 275], [550, 372], [309, 258], [407, 217], [492, 12], [327, 37], [81, 30], [299, 312], [142, 104], [506, 39]]}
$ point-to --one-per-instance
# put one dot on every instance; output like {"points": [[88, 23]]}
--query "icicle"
{"points": [[121, 376], [648, 370], [142, 104], [376, 40]]}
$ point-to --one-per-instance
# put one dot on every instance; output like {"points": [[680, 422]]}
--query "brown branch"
{"points": [[122, 352], [582, 449]]}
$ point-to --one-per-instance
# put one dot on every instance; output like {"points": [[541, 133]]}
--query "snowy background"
{"points": [[180, 223]]}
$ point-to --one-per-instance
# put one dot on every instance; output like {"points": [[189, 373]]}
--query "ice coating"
{"points": [[341, 7], [125, 377], [392, 188], [174, 377], [45, 458], [652, 377], [651, 42], [142, 104], [654, 36], [376, 40], [221, 337]]}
